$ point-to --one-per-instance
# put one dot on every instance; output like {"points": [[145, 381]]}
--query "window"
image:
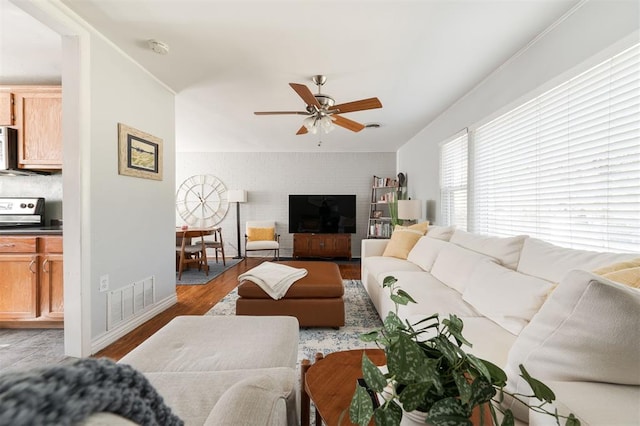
{"points": [[565, 167], [453, 181]]}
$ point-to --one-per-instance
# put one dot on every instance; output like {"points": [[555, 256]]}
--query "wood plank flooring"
{"points": [[197, 300]]}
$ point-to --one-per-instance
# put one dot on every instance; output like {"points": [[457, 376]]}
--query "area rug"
{"points": [[195, 277], [360, 317]]}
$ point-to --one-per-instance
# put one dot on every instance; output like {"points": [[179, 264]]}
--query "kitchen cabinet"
{"points": [[39, 123], [37, 114], [31, 281], [18, 278], [6, 109], [51, 281], [322, 245]]}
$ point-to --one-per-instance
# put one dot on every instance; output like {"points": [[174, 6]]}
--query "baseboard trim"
{"points": [[125, 328]]}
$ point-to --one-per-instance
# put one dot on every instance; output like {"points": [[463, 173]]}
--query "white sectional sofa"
{"points": [[221, 370], [525, 301]]}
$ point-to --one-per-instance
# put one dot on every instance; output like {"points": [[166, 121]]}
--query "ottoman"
{"points": [[315, 300]]}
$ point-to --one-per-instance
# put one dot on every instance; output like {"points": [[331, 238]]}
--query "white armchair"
{"points": [[261, 235]]}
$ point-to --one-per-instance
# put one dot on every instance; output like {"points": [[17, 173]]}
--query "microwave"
{"points": [[8, 149]]}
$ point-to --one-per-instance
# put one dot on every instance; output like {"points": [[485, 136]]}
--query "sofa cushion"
{"points": [[585, 331], [629, 276], [625, 264], [260, 234], [214, 343], [402, 241], [586, 400], [505, 250], [425, 252], [257, 400], [381, 266], [443, 233], [507, 297], [430, 294], [454, 266], [192, 395], [551, 262]]}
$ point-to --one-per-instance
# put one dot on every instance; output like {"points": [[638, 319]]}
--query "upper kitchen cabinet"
{"points": [[38, 112], [6, 109]]}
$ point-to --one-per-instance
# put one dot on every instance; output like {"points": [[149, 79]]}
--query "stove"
{"points": [[21, 212]]}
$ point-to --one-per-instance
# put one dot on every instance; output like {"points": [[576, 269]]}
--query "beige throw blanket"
{"points": [[274, 278]]}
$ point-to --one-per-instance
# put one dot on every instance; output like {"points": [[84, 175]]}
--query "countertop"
{"points": [[36, 230]]}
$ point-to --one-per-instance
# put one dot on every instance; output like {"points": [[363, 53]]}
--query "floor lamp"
{"points": [[237, 196]]}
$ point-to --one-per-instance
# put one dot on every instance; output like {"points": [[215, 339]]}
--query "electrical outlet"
{"points": [[104, 282]]}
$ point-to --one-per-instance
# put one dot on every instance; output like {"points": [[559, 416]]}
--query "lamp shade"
{"points": [[409, 209], [237, 195]]}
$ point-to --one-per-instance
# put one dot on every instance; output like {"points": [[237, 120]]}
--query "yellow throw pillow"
{"points": [[422, 227], [618, 266], [629, 276], [260, 234], [402, 241]]}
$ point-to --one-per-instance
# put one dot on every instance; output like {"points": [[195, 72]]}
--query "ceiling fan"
{"points": [[321, 109]]}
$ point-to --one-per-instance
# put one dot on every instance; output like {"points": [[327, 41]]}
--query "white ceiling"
{"points": [[230, 58]]}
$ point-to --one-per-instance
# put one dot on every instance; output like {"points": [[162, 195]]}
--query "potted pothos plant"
{"points": [[430, 373]]}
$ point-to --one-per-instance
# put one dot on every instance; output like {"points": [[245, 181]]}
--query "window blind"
{"points": [[453, 181], [565, 167]]}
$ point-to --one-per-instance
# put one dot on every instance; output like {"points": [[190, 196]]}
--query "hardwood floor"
{"points": [[197, 300]]}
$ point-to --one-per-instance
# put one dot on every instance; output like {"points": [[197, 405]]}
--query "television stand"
{"points": [[322, 245]]}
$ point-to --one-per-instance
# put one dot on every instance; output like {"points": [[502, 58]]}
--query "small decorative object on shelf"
{"points": [[385, 192]]}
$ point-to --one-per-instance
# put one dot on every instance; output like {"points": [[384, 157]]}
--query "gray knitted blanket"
{"points": [[68, 394]]}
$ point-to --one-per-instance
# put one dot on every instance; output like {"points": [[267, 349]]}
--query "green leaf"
{"points": [[389, 280], [540, 390], [392, 322], [508, 419], [481, 391], [449, 412], [479, 365], [404, 359], [413, 395], [448, 349], [388, 415], [454, 325], [400, 300], [371, 336], [464, 388], [406, 295], [361, 407], [372, 375], [498, 376], [572, 421]]}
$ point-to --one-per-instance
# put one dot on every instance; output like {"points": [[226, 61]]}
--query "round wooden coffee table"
{"points": [[331, 382]]}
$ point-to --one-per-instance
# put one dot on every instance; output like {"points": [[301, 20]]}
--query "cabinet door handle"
{"points": [[7, 245], [33, 262], [44, 265]]}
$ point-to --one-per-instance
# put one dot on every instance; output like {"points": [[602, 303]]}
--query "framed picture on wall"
{"points": [[139, 153]]}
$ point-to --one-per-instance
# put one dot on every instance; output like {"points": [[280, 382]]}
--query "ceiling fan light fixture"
{"points": [[327, 124]]}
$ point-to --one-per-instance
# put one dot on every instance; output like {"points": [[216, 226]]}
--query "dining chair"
{"points": [[191, 253], [217, 244]]}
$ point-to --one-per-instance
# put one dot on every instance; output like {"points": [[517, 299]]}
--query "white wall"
{"points": [[583, 39], [269, 178], [116, 225], [130, 220]]}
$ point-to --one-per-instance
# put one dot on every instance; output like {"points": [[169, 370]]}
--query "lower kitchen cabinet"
{"points": [[31, 281]]}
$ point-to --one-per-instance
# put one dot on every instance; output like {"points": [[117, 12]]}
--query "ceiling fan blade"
{"points": [[301, 131], [339, 120], [306, 95], [281, 112], [363, 104]]}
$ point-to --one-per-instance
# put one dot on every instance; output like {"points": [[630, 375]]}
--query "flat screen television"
{"points": [[323, 214]]}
